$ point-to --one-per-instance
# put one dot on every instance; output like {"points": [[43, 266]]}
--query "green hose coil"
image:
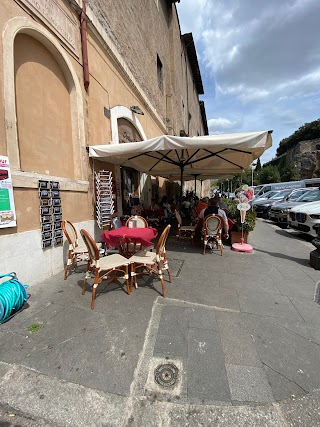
{"points": [[13, 296]]}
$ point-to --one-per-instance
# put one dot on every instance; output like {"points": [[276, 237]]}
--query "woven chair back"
{"points": [[213, 222], [140, 221], [91, 245], [162, 240], [70, 232]]}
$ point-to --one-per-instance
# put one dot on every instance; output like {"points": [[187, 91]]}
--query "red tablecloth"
{"points": [[122, 235]]}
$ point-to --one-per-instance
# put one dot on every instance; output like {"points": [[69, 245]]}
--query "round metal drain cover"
{"points": [[166, 375]]}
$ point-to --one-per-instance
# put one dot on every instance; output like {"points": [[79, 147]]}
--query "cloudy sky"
{"points": [[259, 61]]}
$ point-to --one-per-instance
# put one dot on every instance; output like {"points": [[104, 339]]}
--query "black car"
{"points": [[262, 208]]}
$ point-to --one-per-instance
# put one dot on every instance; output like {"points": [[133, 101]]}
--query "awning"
{"points": [[171, 157]]}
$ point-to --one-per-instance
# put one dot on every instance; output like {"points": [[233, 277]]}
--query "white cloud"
{"points": [[259, 61], [222, 124]]}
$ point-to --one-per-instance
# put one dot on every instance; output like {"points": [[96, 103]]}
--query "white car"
{"points": [[304, 217]]}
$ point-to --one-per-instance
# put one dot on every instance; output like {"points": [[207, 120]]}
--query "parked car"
{"points": [[305, 217], [264, 196], [280, 210], [262, 207]]}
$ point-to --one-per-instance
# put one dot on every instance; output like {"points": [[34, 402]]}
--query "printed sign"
{"points": [[7, 209]]}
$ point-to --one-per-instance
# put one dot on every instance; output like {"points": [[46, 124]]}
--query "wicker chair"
{"points": [[76, 252], [140, 222], [153, 263], [109, 266], [212, 230], [127, 249], [184, 231]]}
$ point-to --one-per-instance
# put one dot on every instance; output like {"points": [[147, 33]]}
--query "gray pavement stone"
{"points": [[248, 384], [172, 337], [248, 283], [293, 272], [238, 346], [282, 387], [287, 353], [155, 414], [304, 411], [61, 402], [202, 318], [296, 289], [269, 305], [310, 331], [207, 380], [216, 297], [309, 310]]}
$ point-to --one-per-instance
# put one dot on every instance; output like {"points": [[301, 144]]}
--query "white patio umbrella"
{"points": [[174, 157]]}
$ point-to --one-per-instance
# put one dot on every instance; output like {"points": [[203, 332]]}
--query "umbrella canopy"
{"points": [[174, 157]]}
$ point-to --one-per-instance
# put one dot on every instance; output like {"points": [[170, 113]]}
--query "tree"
{"points": [[304, 133], [258, 166], [289, 173], [269, 174]]}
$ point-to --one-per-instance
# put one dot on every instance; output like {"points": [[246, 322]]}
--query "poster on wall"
{"points": [[7, 209]]}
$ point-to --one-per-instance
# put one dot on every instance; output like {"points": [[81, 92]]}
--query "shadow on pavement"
{"points": [[304, 262]]}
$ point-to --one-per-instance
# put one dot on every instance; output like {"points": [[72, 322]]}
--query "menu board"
{"points": [[7, 209]]}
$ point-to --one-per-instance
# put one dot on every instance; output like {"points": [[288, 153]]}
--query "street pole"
{"points": [[252, 169]]}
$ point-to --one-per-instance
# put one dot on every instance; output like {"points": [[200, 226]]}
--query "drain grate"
{"points": [[166, 375]]}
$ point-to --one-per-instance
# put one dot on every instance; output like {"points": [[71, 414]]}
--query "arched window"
{"points": [[43, 104], [44, 124]]}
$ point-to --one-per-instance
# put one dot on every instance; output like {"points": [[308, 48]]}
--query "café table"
{"points": [[129, 240]]}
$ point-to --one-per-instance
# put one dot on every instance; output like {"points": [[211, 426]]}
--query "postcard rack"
{"points": [[50, 213], [104, 198]]}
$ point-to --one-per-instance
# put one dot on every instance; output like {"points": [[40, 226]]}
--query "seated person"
{"points": [[213, 208], [202, 204], [166, 206], [185, 208], [222, 204]]}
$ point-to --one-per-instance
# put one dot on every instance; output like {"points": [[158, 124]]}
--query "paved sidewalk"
{"points": [[242, 332]]}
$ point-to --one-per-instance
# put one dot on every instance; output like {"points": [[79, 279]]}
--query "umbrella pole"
{"points": [[181, 181]]}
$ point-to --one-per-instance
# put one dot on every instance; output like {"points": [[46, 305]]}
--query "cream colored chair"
{"points": [[184, 231], [153, 263], [212, 231], [110, 266], [76, 252]]}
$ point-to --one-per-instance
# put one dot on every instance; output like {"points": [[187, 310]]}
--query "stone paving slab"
{"points": [[269, 305], [282, 387], [248, 283], [207, 379], [248, 384], [238, 346], [309, 310], [293, 357]]}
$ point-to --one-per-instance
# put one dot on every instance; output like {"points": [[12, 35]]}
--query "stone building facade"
{"points": [[69, 83]]}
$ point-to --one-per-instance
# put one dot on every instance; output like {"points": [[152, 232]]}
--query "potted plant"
{"points": [[234, 214]]}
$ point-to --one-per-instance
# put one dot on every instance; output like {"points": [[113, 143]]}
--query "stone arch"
{"points": [[121, 112], [30, 27]]}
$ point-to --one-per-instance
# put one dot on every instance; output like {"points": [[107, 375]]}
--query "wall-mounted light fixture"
{"points": [[137, 110]]}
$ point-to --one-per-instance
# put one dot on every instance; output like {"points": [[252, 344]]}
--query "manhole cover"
{"points": [[166, 375]]}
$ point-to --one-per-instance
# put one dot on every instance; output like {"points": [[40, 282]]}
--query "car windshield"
{"points": [[257, 189], [296, 194], [267, 195], [280, 195], [310, 196]]}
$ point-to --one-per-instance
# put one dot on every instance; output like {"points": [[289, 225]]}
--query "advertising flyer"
{"points": [[7, 209]]}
